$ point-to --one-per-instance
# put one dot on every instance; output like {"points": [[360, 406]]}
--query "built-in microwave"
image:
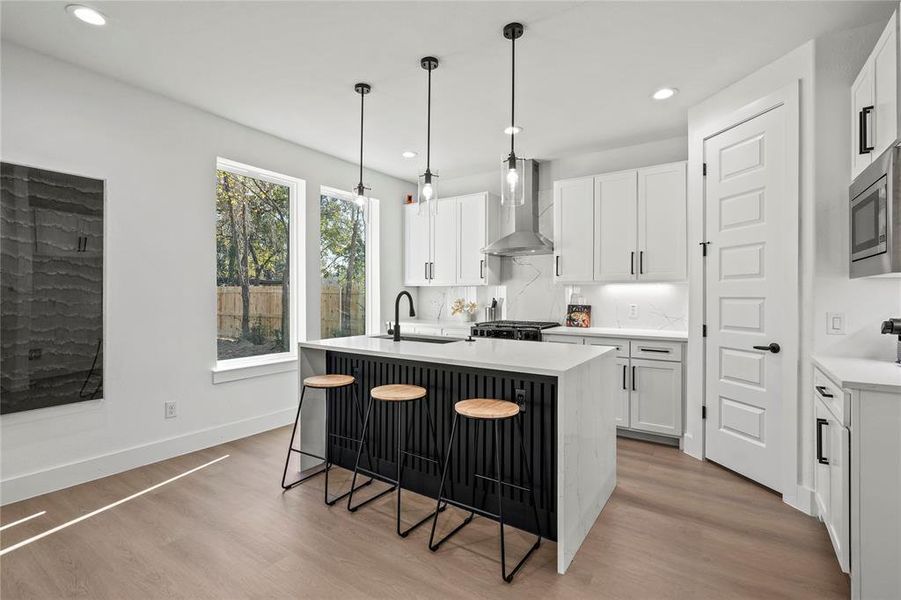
{"points": [[876, 217]]}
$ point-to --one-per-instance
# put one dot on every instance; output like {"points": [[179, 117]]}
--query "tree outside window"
{"points": [[252, 265], [343, 230]]}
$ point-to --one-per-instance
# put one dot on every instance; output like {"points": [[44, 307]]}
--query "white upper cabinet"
{"points": [[874, 101], [443, 270], [635, 232], [443, 242], [661, 223], [417, 245], [616, 226], [574, 230]]}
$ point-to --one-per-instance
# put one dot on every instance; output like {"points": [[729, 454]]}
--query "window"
{"points": [[256, 260], [348, 303]]}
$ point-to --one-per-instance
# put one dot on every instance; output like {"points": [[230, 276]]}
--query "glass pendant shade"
{"points": [[512, 182], [360, 194], [428, 188]]}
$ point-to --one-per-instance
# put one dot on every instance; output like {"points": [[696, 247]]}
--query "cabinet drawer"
{"points": [[835, 399], [621, 345], [653, 350], [563, 339]]}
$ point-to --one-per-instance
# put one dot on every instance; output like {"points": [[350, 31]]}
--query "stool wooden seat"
{"points": [[398, 392], [486, 408], [328, 381]]}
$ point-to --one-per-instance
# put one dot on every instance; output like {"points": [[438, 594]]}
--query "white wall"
{"points": [[527, 289], [158, 158]]}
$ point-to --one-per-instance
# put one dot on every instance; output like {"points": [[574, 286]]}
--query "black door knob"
{"points": [[773, 347]]}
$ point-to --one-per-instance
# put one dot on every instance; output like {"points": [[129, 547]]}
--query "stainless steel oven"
{"points": [[875, 218]]}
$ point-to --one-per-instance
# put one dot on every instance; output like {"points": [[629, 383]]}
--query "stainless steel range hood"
{"points": [[525, 239]]}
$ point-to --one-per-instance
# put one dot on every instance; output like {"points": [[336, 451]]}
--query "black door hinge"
{"points": [[703, 330], [704, 169], [703, 412], [703, 246]]}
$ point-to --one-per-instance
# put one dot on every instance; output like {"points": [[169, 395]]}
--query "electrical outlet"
{"points": [[171, 411], [520, 397], [633, 311], [835, 323]]}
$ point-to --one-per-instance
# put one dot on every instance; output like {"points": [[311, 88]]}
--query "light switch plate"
{"points": [[633, 311], [835, 323]]}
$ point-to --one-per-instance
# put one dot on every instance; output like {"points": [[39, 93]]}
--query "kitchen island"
{"points": [[568, 420]]}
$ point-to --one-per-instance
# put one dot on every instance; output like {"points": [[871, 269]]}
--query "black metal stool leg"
{"points": [[525, 458], [401, 462], [350, 495], [291, 448], [433, 546], [508, 577], [329, 435]]}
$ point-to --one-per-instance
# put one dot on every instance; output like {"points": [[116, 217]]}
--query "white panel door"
{"points": [[443, 270], [861, 97], [417, 246], [656, 396], [747, 200], [662, 212], [574, 230], [616, 226], [885, 90], [621, 391], [471, 238]]}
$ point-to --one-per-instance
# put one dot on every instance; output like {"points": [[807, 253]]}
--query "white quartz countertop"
{"points": [[861, 373], [617, 332], [483, 353]]}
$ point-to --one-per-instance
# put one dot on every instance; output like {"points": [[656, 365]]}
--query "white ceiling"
{"points": [[585, 70]]}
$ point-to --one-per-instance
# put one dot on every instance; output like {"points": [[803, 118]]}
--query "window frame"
{"points": [[373, 289], [265, 364]]}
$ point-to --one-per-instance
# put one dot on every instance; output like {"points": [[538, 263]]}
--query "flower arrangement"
{"points": [[464, 309]]}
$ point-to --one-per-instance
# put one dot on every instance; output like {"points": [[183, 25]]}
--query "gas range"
{"points": [[512, 330]]}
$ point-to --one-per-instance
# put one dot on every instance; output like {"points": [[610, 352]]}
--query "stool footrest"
{"points": [[420, 456], [507, 483]]}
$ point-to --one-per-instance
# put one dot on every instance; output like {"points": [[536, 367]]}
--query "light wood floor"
{"points": [[674, 528]]}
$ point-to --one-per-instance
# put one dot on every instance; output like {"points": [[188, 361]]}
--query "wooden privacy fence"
{"points": [[266, 309]]}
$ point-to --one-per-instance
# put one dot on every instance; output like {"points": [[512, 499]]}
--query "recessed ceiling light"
{"points": [[409, 154], [664, 93], [86, 14], [512, 129]]}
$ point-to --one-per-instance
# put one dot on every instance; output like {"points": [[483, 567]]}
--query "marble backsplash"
{"points": [[527, 291]]}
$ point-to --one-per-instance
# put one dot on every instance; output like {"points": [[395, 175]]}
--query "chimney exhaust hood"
{"points": [[525, 239]]}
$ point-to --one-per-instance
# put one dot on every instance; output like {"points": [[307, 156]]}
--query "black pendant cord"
{"points": [[512, 94], [428, 127], [360, 186]]}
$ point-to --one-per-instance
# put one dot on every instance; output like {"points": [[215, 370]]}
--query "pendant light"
{"points": [[360, 189], [428, 181], [513, 168]]}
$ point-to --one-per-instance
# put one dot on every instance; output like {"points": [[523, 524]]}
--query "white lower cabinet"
{"points": [[832, 479], [647, 391]]}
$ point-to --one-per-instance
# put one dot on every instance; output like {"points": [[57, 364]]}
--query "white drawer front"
{"points": [[836, 400], [654, 350], [563, 339], [621, 345]]}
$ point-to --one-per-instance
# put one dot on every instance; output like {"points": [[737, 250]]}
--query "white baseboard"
{"points": [[802, 500], [63, 476]]}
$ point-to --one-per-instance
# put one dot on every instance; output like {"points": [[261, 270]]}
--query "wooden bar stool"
{"points": [[402, 395], [328, 383], [486, 410]]}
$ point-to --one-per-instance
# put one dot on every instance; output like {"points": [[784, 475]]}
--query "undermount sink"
{"points": [[428, 339]]}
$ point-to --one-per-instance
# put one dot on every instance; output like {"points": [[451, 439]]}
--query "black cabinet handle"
{"points": [[772, 347], [661, 350], [624, 378], [865, 147], [822, 390], [426, 270], [431, 270], [557, 265], [641, 262], [632, 263], [633, 379], [482, 269], [820, 458]]}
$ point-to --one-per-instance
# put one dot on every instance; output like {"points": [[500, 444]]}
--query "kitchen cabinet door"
{"points": [[574, 230], [861, 101], [417, 245], [443, 270], [655, 401], [884, 120], [832, 480], [472, 234], [621, 391], [616, 226], [662, 209]]}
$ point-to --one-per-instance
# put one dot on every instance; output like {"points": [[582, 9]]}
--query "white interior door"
{"points": [[662, 212], [615, 215], [471, 238], [417, 253], [751, 293], [443, 270]]}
